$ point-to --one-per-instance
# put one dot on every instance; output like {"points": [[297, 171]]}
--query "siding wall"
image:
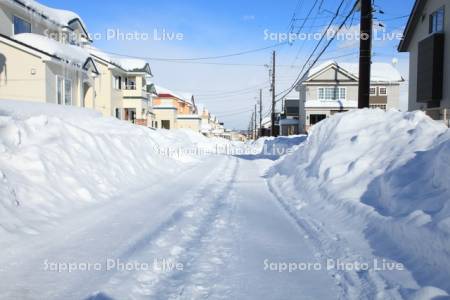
{"points": [[421, 32], [16, 79]]}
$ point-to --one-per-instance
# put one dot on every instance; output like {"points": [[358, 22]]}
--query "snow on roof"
{"points": [[59, 16], [70, 53], [381, 72], [128, 64], [182, 96], [266, 122]]}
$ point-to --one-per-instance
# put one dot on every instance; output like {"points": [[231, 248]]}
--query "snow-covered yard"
{"points": [[96, 208]]}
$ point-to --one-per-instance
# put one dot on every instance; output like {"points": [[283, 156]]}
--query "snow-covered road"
{"points": [[219, 234]]}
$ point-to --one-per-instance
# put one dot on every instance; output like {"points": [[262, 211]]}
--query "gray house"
{"points": [[332, 88], [426, 38]]}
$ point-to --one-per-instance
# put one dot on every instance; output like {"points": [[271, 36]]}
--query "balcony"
{"points": [[131, 91]]}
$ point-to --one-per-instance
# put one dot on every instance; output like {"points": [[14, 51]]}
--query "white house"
{"points": [[426, 38], [332, 87]]}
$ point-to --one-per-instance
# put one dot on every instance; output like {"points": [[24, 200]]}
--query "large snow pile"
{"points": [[379, 180], [274, 148], [54, 159]]}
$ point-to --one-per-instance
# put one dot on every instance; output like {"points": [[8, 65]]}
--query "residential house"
{"points": [[175, 110], [206, 124], [123, 88], [40, 55], [332, 88], [426, 38], [290, 121]]}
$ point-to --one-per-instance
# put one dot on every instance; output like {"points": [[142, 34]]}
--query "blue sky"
{"points": [[212, 28]]}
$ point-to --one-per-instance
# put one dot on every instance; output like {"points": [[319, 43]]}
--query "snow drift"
{"points": [[274, 148], [54, 159], [379, 180]]}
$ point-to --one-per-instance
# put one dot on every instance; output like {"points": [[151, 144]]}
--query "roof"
{"points": [[63, 18], [126, 64], [163, 92], [65, 52], [266, 122], [412, 22], [381, 72]]}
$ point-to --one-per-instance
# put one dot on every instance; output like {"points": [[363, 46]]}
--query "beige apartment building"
{"points": [[35, 67], [46, 56], [175, 110], [332, 88], [122, 88], [426, 38]]}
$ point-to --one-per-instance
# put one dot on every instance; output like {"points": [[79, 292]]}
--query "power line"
{"points": [[317, 46], [302, 74], [201, 58], [310, 27], [220, 93], [308, 16], [216, 63]]}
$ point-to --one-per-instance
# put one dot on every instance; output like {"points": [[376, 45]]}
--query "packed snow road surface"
{"points": [[217, 235]]}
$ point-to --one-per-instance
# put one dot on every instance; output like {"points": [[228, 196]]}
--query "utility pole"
{"points": [[365, 53], [255, 125], [250, 131], [260, 112], [273, 94]]}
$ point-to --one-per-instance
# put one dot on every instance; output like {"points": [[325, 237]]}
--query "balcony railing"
{"points": [[130, 87]]}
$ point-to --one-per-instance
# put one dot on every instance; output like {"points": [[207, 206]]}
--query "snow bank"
{"points": [[54, 159], [274, 148], [380, 179]]}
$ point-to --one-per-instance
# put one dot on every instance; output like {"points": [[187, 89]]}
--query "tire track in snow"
{"points": [[209, 257], [353, 284], [177, 240]]}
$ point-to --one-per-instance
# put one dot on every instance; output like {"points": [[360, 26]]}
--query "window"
{"points": [[165, 124], [117, 82], [373, 91], [67, 92], [314, 119], [437, 21], [118, 113], [71, 38], [21, 26], [332, 93], [63, 91], [59, 89], [383, 91], [130, 83]]}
